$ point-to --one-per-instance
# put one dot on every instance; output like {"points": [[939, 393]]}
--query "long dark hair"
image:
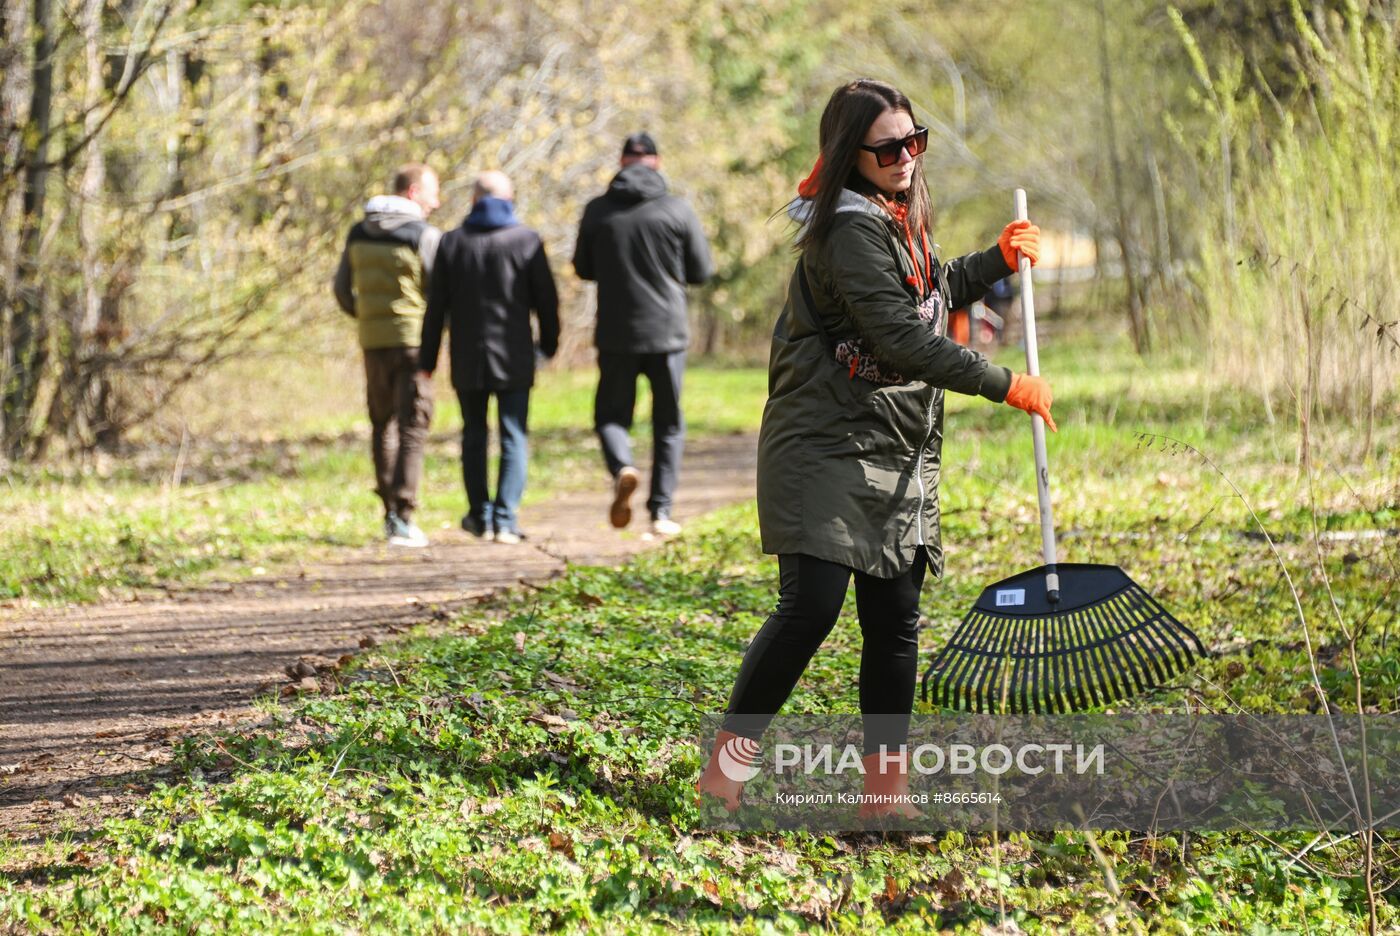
{"points": [[850, 112]]}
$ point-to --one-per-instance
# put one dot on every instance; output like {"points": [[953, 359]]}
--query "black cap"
{"points": [[639, 144]]}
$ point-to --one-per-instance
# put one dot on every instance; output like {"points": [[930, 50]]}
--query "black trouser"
{"points": [[810, 594], [613, 409]]}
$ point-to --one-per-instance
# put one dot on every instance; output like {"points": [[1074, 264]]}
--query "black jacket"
{"points": [[642, 246], [485, 282]]}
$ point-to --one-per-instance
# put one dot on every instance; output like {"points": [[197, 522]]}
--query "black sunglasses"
{"points": [[887, 154]]}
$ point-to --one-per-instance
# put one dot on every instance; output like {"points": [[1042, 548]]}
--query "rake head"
{"points": [[1105, 640]]}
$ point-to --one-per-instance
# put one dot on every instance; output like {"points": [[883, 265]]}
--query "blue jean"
{"points": [[512, 411]]}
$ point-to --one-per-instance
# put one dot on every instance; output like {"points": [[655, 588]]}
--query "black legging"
{"points": [[810, 594]]}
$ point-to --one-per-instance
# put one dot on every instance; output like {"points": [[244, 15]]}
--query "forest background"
{"points": [[177, 176]]}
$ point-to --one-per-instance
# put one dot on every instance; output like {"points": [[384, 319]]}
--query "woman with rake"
{"points": [[849, 450]]}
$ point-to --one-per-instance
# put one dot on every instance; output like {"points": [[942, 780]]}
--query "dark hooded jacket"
{"points": [[490, 273], [642, 246], [848, 470]]}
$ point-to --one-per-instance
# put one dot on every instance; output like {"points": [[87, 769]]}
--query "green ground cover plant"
{"points": [[527, 765]]}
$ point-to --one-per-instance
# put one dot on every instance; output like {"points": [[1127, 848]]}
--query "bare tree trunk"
{"points": [[12, 94], [27, 329], [269, 94], [90, 384], [1163, 240], [1141, 340]]}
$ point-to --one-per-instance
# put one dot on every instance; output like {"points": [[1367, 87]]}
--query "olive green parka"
{"points": [[848, 470]]}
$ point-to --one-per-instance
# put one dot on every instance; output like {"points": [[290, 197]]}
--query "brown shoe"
{"points": [[624, 486], [888, 783]]}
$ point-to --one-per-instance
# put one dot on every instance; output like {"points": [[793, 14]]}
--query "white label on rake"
{"points": [[1010, 596]]}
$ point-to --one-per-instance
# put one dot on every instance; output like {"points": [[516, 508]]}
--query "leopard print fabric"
{"points": [[854, 354]]}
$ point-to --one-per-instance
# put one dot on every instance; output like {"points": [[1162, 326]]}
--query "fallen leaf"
{"points": [[475, 702], [560, 682], [300, 669], [950, 886], [551, 722]]}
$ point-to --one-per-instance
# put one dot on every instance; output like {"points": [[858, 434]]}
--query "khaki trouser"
{"points": [[400, 411]]}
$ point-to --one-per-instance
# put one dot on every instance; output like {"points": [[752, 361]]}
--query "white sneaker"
{"points": [[406, 534], [665, 526], [509, 537]]}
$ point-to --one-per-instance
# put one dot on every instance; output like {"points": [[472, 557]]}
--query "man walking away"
{"points": [[383, 282], [642, 246], [491, 272]]}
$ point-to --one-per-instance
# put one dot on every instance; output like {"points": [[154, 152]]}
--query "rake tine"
{"points": [[1115, 673], [1082, 659], [1159, 626], [1178, 632], [1001, 685], [951, 658], [1001, 693], [957, 676], [1122, 631], [1020, 674], [989, 678], [952, 655], [1073, 693], [1064, 676], [1135, 636], [1126, 643], [1038, 662], [986, 655], [1088, 662], [1140, 634], [938, 661]]}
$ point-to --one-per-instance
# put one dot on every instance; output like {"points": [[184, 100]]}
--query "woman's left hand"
{"points": [[1020, 236]]}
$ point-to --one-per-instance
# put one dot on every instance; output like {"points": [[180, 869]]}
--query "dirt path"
{"points": [[92, 698]]}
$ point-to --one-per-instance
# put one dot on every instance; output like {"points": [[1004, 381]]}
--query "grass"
{"points": [[526, 766], [244, 504]]}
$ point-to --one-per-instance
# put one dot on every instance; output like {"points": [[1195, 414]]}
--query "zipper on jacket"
{"points": [[919, 472], [941, 285]]}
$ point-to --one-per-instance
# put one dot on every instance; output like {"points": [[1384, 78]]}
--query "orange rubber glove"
{"points": [[1022, 236], [1033, 395]]}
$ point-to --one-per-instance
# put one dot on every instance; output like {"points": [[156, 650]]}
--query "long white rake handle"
{"points": [[1042, 463]]}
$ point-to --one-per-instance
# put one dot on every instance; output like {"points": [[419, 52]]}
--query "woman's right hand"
{"points": [[1033, 395]]}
